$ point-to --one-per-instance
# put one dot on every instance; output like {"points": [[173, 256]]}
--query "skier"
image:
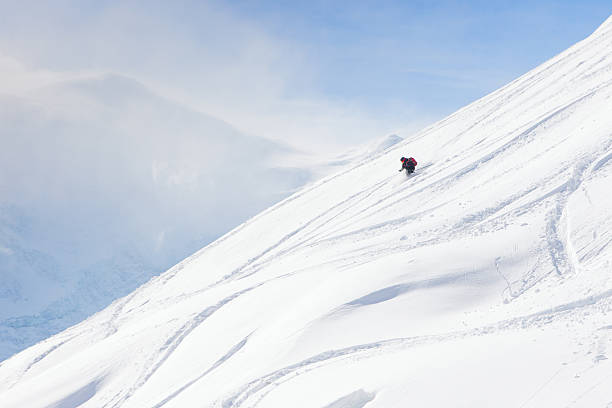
{"points": [[408, 164]]}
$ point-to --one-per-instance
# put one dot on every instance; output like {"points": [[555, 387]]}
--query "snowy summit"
{"points": [[483, 279]]}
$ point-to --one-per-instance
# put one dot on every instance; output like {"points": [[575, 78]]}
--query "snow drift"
{"points": [[482, 280]]}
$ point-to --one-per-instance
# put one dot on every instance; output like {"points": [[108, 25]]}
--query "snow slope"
{"points": [[482, 280]]}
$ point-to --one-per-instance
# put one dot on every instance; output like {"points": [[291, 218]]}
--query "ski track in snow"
{"points": [[157, 359], [260, 387], [557, 251], [223, 359], [378, 217], [523, 137]]}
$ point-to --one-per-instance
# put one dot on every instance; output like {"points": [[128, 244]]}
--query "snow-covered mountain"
{"points": [[482, 280], [104, 184]]}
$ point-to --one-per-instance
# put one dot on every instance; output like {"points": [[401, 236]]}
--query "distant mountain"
{"points": [[483, 279], [104, 184]]}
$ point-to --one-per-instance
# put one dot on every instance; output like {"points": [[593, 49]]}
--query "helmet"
{"points": [[403, 159]]}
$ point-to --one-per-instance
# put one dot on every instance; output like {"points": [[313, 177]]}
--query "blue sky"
{"points": [[305, 72], [101, 168], [437, 55]]}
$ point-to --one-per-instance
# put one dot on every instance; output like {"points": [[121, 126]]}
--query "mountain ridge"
{"points": [[480, 280]]}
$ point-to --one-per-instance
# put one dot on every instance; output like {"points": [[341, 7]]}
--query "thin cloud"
{"points": [[201, 54]]}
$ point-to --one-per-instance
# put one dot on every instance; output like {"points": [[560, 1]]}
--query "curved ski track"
{"points": [[257, 389]]}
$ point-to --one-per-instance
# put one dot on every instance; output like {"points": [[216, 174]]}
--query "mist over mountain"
{"points": [[103, 184], [481, 280]]}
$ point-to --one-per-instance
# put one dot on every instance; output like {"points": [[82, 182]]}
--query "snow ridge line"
{"points": [[517, 87]]}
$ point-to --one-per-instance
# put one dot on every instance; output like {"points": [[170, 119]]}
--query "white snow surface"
{"points": [[482, 280]]}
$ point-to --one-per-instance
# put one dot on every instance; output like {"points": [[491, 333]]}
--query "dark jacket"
{"points": [[409, 164]]}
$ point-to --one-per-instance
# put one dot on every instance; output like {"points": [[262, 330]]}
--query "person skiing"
{"points": [[408, 164]]}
